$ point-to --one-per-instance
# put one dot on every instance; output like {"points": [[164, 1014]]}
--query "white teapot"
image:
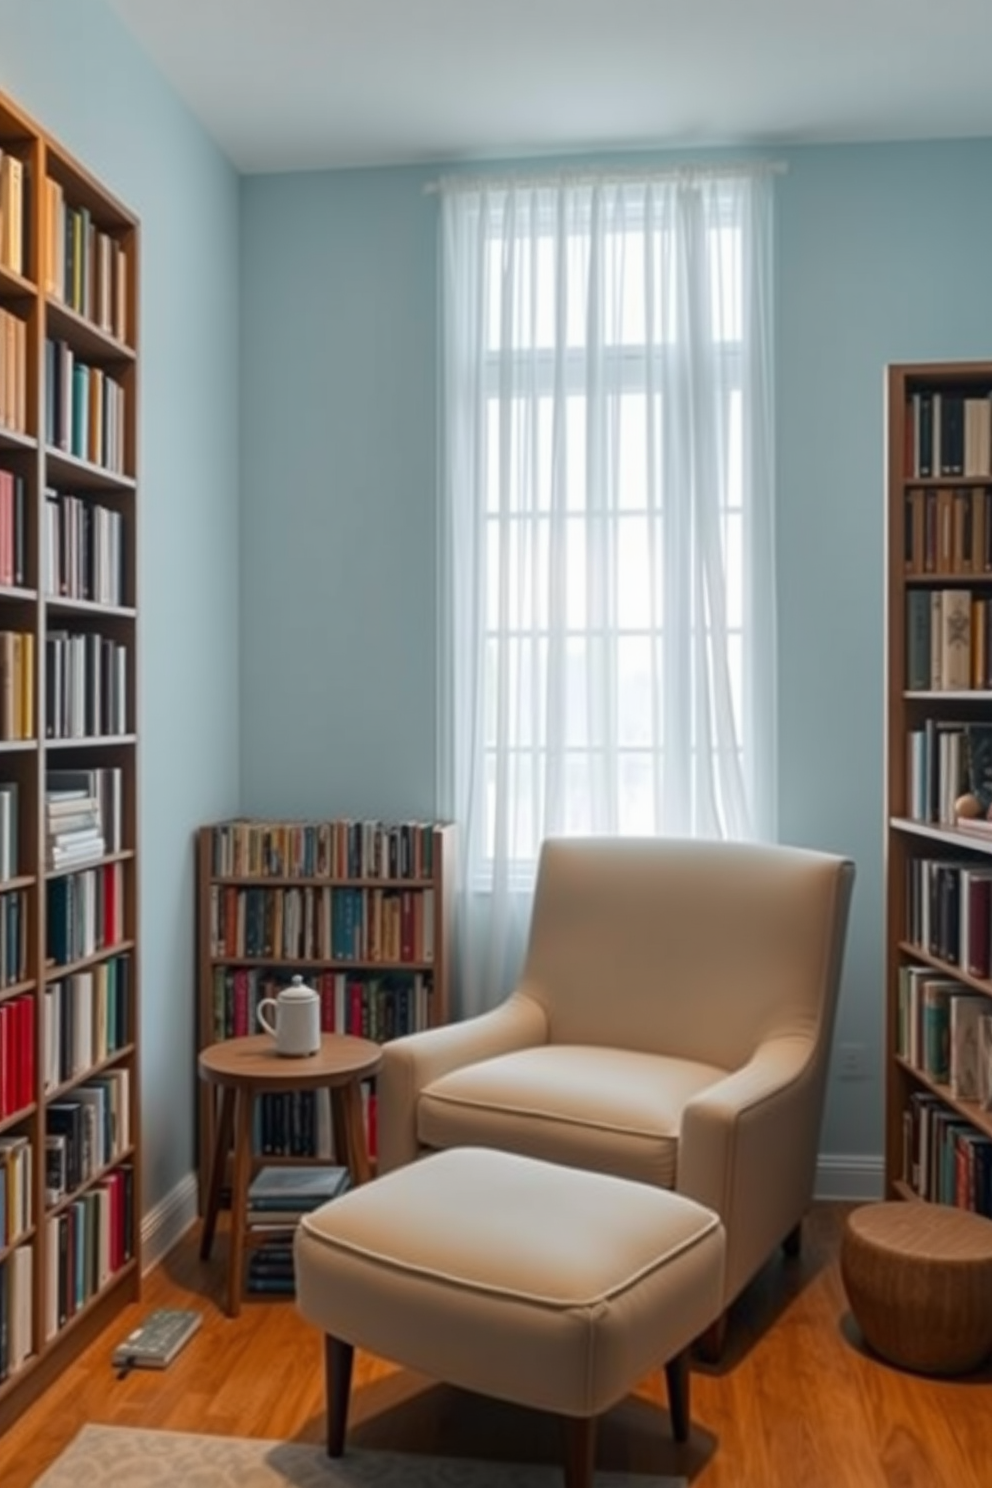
{"points": [[297, 1019]]}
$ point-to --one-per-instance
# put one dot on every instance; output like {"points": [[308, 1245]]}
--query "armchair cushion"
{"points": [[609, 1110]]}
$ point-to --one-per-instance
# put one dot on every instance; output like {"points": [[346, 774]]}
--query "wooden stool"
{"points": [[919, 1280], [246, 1067]]}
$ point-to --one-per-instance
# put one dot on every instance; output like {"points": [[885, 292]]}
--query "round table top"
{"points": [[254, 1061], [933, 1232]]}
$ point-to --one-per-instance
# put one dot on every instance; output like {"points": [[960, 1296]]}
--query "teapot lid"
{"points": [[298, 991]]}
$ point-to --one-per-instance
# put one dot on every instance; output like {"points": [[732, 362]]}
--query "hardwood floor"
{"points": [[794, 1403]]}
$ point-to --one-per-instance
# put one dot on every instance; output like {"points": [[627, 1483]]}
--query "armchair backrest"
{"points": [[698, 949]]}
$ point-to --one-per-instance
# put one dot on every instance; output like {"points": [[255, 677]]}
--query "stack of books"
{"points": [[83, 815], [277, 1198]]}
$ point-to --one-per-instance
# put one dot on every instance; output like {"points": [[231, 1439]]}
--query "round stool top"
{"points": [[254, 1061], [927, 1232]]}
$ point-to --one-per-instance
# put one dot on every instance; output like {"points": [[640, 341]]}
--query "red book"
{"points": [[977, 949], [355, 1007], [327, 1001]]}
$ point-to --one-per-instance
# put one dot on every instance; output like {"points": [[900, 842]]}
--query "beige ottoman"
{"points": [[544, 1285]]}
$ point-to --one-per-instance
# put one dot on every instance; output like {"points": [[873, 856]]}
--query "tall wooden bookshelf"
{"points": [[362, 910], [69, 1067], [938, 1007]]}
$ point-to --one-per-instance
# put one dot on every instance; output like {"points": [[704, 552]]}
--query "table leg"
{"points": [[222, 1145], [239, 1197], [349, 1131]]}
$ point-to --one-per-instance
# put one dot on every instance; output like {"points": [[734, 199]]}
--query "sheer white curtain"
{"points": [[607, 633]]}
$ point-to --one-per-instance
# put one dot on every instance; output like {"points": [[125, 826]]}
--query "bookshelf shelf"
{"points": [[56, 973], [66, 1202], [14, 286], [938, 875], [59, 604], [69, 293], [16, 1118], [117, 857], [119, 1056], [86, 338], [394, 925], [10, 439], [83, 474], [24, 1238]]}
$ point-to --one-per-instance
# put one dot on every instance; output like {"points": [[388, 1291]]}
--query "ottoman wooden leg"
{"points": [[677, 1379], [580, 1451], [338, 1358]]}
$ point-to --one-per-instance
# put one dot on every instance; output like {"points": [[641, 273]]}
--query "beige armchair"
{"points": [[672, 1024]]}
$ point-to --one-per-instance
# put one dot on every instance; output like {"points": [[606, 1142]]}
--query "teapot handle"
{"points": [[267, 1002]]}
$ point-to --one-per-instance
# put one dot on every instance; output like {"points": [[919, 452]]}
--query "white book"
{"points": [[965, 1011]]}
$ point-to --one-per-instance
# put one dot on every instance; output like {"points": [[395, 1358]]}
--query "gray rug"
{"points": [[101, 1456]]}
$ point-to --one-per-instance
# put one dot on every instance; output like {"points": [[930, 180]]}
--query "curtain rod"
{"points": [[606, 175]]}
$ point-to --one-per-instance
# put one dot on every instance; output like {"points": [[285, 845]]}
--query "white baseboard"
{"points": [[838, 1176], [172, 1216], [849, 1176]]}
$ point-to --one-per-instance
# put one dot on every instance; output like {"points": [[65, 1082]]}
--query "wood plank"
{"points": [[794, 1399]]}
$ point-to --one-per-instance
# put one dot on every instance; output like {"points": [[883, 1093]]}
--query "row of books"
{"points": [[13, 529], [948, 530], [87, 1019], [949, 911], [367, 1004], [83, 815], [297, 1123], [13, 216], [332, 849], [14, 930], [948, 642], [85, 913], [945, 760], [948, 432], [17, 1054], [82, 265], [13, 372], [945, 1159], [17, 719], [86, 1131], [277, 1199], [323, 924], [83, 551], [84, 409], [16, 1209], [85, 685], [85, 1244], [16, 1328], [9, 830], [944, 1030]]}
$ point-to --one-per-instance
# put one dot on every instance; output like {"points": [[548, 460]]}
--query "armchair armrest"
{"points": [[414, 1061], [748, 1149]]}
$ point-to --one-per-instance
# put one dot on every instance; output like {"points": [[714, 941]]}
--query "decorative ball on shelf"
{"points": [[969, 806]]}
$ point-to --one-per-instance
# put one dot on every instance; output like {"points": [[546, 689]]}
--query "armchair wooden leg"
{"points": [[709, 1345], [793, 1243], [338, 1359], [580, 1451], [677, 1379]]}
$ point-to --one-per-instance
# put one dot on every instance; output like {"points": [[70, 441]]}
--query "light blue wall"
{"points": [[338, 289], [74, 68], [882, 255]]}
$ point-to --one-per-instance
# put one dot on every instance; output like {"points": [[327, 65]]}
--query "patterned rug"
{"points": [[101, 1456]]}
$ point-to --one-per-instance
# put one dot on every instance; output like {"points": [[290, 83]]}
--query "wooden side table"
{"points": [[246, 1067]]}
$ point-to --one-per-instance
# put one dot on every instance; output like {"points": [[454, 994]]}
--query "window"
{"points": [[607, 633]]}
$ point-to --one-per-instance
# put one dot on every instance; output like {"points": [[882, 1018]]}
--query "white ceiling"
{"points": [[302, 84]]}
